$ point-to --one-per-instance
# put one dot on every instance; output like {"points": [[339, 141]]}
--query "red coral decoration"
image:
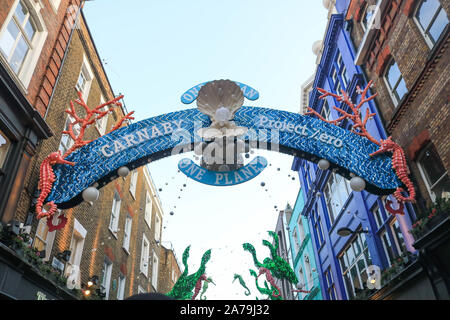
{"points": [[359, 127], [46, 175], [62, 222]]}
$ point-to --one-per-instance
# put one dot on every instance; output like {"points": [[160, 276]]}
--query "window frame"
{"points": [[133, 182], [354, 264], [121, 283], [424, 174], [393, 90], [155, 269], [106, 277], [115, 214], [145, 255], [428, 38], [148, 209], [31, 58], [65, 146], [102, 123], [88, 75], [4, 151], [127, 233]]}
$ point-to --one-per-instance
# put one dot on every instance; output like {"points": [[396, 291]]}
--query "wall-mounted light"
{"points": [[344, 232], [92, 281]]}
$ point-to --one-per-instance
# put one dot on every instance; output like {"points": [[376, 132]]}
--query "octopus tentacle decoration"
{"points": [[182, 289], [242, 282], [46, 175], [276, 293], [266, 290], [278, 267], [359, 127], [205, 287]]}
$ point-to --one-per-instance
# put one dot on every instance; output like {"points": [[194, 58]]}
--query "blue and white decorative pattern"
{"points": [[228, 178], [156, 137], [189, 96]]}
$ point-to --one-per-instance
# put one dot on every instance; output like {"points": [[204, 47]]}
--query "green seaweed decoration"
{"points": [[242, 282], [183, 288], [267, 291], [205, 287], [276, 265]]}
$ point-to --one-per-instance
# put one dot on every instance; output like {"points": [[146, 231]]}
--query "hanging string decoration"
{"points": [[183, 288], [359, 127], [46, 174], [242, 283]]}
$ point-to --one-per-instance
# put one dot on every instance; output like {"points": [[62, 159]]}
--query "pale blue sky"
{"points": [[155, 50]]}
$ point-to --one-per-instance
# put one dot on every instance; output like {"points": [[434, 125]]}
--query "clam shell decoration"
{"points": [[220, 99]]}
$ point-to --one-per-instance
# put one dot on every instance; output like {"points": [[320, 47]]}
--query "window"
{"points": [[121, 287], [21, 39], [318, 228], [44, 239], [307, 177], [155, 271], [141, 290], [387, 246], [157, 227], [77, 243], [127, 233], [434, 173], [337, 191], [395, 82], [148, 209], [145, 252], [325, 112], [102, 122], [4, 147], [106, 277], [85, 79], [301, 229], [134, 176], [115, 212], [296, 246], [66, 140], [367, 16], [331, 290], [354, 262], [376, 212], [432, 20], [398, 236]]}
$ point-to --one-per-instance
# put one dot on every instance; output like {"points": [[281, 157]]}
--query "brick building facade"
{"points": [[408, 45], [115, 238], [403, 47], [169, 269]]}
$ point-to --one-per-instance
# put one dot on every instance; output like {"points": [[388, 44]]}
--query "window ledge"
{"points": [[13, 75], [126, 250], [114, 233]]}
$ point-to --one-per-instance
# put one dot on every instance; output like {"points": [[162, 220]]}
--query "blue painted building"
{"points": [[302, 252], [330, 203]]}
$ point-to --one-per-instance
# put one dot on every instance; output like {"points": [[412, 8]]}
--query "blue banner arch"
{"points": [[155, 138]]}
